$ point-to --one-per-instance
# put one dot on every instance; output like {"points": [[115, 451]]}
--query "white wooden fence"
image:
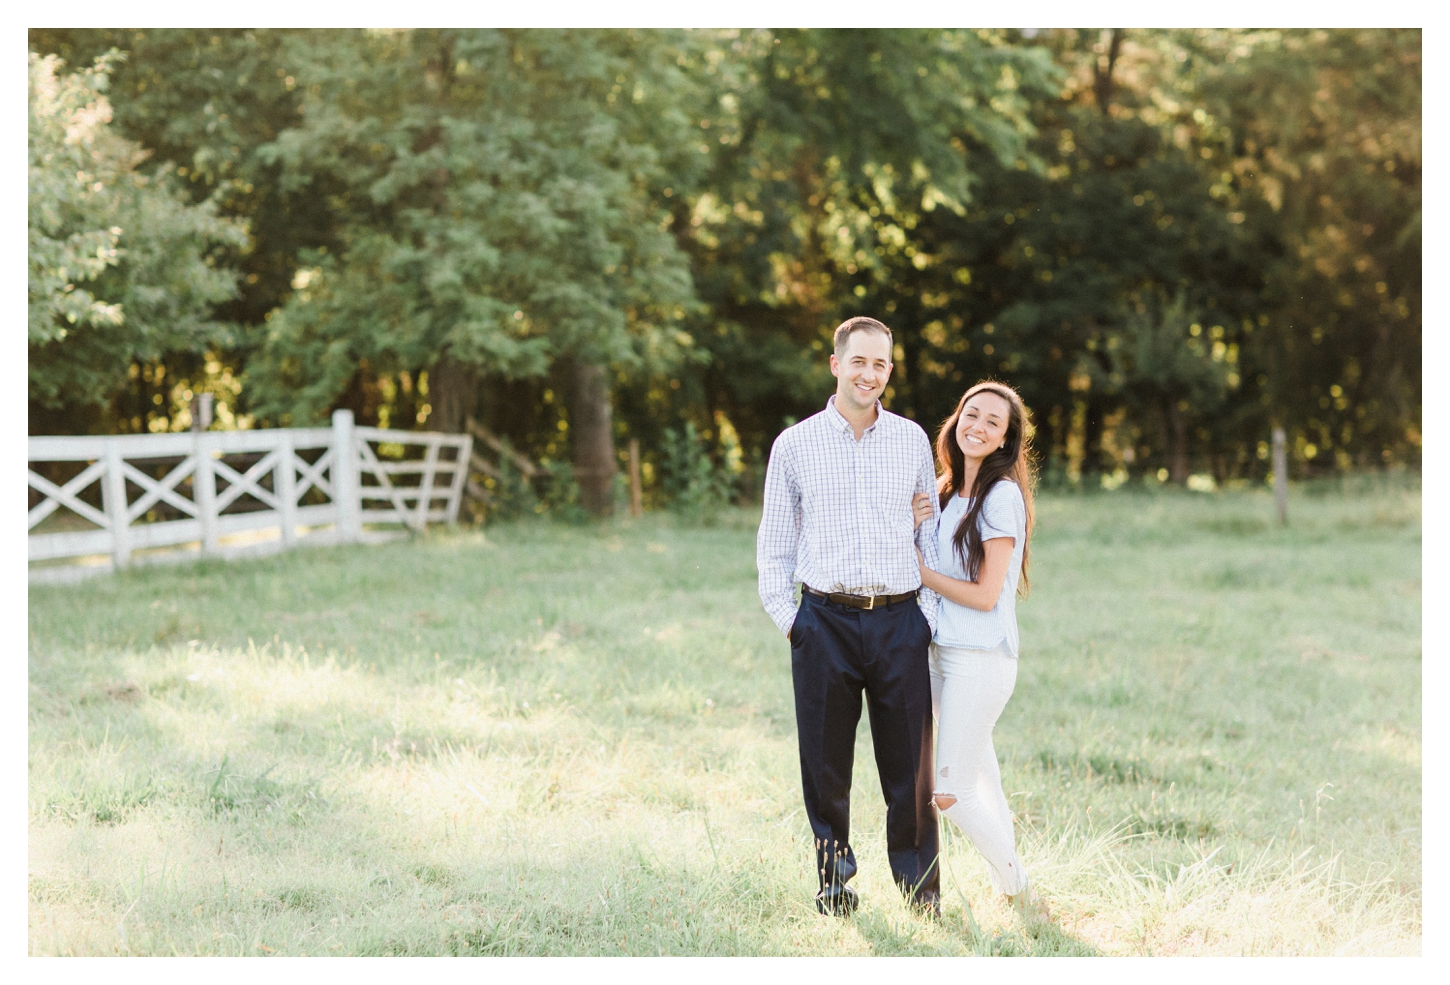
{"points": [[319, 485]]}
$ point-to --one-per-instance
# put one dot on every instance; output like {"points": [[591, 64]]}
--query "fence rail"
{"points": [[320, 485]]}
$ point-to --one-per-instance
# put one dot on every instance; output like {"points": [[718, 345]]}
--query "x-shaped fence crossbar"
{"points": [[68, 496], [311, 475], [336, 473], [239, 484], [156, 491]]}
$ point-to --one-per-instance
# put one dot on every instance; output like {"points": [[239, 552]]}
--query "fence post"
{"points": [[460, 476], [113, 491], [345, 482], [636, 491], [425, 487], [204, 486], [1281, 477], [201, 411], [284, 480]]}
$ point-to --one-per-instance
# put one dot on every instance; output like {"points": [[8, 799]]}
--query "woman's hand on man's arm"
{"points": [[921, 509]]}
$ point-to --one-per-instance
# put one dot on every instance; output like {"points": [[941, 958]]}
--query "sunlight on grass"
{"points": [[547, 740]]}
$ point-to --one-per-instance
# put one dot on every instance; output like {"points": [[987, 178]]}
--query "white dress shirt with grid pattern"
{"points": [[837, 513]]}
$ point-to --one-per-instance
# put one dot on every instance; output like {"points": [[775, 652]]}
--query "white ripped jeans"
{"points": [[969, 689]]}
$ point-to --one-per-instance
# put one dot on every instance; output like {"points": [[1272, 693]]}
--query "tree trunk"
{"points": [[1092, 438], [593, 435], [453, 393], [1178, 462], [1103, 70]]}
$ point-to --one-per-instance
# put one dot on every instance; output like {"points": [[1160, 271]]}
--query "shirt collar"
{"points": [[837, 421]]}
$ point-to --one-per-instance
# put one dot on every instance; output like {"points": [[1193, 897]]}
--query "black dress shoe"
{"points": [[839, 901]]}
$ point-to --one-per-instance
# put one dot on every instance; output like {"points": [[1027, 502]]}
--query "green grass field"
{"points": [[538, 739]]}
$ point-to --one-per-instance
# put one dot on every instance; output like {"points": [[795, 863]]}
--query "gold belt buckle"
{"points": [[870, 602]]}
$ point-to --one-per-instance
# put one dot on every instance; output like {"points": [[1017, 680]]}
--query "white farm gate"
{"points": [[117, 498]]}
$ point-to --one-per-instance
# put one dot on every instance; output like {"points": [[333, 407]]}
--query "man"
{"points": [[838, 519]]}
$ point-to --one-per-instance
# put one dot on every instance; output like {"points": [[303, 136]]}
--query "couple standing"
{"points": [[908, 581]]}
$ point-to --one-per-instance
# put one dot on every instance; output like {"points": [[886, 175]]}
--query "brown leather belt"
{"points": [[867, 602]]}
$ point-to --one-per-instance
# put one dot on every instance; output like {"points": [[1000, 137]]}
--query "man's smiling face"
{"points": [[862, 370]]}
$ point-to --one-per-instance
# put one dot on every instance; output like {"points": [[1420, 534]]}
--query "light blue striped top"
{"points": [[1004, 514]]}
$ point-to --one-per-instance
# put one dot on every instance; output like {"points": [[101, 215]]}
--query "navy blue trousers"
{"points": [[837, 653]]}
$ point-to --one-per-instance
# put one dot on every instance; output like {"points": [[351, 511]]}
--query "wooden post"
{"points": [[204, 480], [592, 436], [425, 484], [1281, 477], [636, 490], [201, 411], [460, 476], [284, 481], [347, 494], [113, 491]]}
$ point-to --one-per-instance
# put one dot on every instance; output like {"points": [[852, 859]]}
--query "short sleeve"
{"points": [[1003, 514]]}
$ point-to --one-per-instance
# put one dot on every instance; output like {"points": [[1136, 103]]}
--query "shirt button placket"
{"points": [[863, 522]]}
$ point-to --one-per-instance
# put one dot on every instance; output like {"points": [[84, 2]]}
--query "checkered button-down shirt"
{"points": [[838, 514]]}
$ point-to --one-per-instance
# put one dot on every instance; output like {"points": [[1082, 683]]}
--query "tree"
{"points": [[582, 236], [1173, 368], [203, 101], [1320, 151], [493, 217], [827, 149], [122, 267]]}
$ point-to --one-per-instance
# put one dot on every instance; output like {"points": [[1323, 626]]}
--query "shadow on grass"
{"points": [[909, 937]]}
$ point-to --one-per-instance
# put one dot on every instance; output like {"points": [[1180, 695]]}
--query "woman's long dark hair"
{"points": [[1012, 461]]}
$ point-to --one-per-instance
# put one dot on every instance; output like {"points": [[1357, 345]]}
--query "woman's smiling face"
{"points": [[982, 426]]}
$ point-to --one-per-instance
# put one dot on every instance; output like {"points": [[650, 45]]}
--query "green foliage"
{"points": [[511, 494], [560, 498], [499, 212], [831, 147], [1169, 355], [204, 101], [696, 210], [1320, 150], [122, 269], [1176, 370], [694, 485], [514, 496], [65, 199]]}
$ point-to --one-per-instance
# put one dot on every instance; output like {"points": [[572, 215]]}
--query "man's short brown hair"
{"points": [[860, 323]]}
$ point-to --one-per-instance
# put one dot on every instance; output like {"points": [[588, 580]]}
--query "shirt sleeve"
{"points": [[926, 533], [778, 538], [1002, 512]]}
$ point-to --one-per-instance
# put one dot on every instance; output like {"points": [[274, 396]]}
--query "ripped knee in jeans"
{"points": [[943, 800]]}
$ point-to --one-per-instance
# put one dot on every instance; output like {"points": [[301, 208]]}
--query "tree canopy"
{"points": [[121, 264], [1170, 241]]}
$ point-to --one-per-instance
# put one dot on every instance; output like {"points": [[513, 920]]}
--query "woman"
{"points": [[985, 488]]}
